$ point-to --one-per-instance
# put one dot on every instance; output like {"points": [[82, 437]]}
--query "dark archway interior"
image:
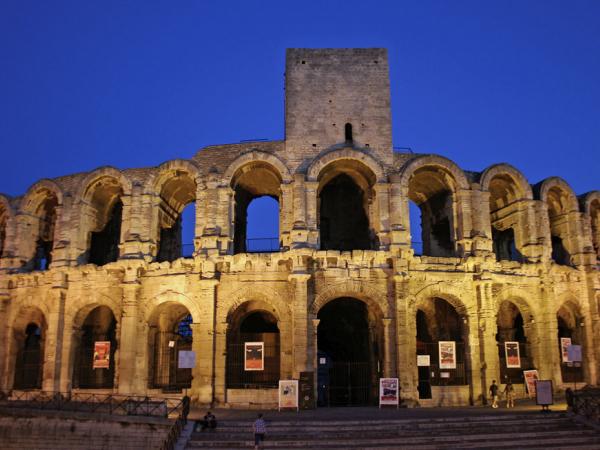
{"points": [[511, 328], [560, 254], [100, 325], [104, 247], [435, 225], [504, 245], [45, 242], [345, 353], [28, 370], [344, 224]]}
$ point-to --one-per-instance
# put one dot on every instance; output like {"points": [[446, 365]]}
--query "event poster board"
{"points": [[388, 392], [254, 356], [564, 349], [423, 361], [447, 355], [101, 355], [288, 394], [186, 359], [543, 392], [574, 353], [531, 376], [513, 356]]}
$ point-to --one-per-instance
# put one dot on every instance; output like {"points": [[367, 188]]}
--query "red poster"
{"points": [[513, 358], [101, 355], [531, 376], [254, 356]]}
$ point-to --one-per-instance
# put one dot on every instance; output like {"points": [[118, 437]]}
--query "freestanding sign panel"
{"points": [[288, 394], [254, 356], [388, 392], [564, 346], [186, 359], [543, 392], [447, 355], [531, 376], [574, 353], [101, 355], [513, 357], [307, 390]]}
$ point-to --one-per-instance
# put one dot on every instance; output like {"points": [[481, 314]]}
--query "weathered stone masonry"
{"points": [[499, 255]]}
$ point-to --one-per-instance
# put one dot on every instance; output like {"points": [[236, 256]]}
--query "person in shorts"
{"points": [[509, 391], [260, 429], [494, 394]]}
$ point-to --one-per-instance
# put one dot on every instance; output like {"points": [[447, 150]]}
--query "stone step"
{"points": [[482, 440]]}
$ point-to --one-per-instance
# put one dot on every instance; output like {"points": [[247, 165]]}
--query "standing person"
{"points": [[260, 429], [509, 391], [494, 394]]}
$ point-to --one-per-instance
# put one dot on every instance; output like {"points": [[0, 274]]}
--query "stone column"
{"points": [[399, 216], [406, 341], [547, 330], [300, 323], [464, 221], [315, 353], [286, 209], [53, 341], [382, 224], [300, 221], [312, 213], [482, 227], [387, 348], [129, 344], [4, 336], [489, 362], [203, 343]]}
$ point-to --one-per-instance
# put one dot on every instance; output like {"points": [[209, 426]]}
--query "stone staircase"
{"points": [[486, 431]]}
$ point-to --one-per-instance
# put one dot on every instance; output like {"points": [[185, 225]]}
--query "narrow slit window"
{"points": [[348, 132]]}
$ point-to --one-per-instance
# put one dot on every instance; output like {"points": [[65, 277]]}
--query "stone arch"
{"points": [[256, 157], [38, 192], [375, 298], [253, 175], [433, 184], [447, 293], [351, 158], [6, 216], [523, 188], [260, 295], [170, 296], [591, 208], [103, 200], [558, 194], [173, 186], [570, 325], [26, 345], [516, 296]]}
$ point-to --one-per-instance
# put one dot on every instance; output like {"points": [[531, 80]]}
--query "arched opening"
{"points": [[3, 224], [94, 359], [348, 354], [43, 224], [570, 332], [344, 201], [348, 133], [432, 190], [558, 201], [251, 182], [513, 348], [170, 333], [441, 340], [176, 217], [29, 337], [416, 229], [595, 223], [505, 217], [102, 214], [262, 225], [253, 350]]}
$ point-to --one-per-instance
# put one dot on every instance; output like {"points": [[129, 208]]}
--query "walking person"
{"points": [[509, 391], [494, 394], [260, 429]]}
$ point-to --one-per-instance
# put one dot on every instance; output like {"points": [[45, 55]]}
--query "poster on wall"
{"points": [[288, 394], [531, 376], [565, 343], [423, 361], [186, 359], [447, 351], [388, 392], [254, 356], [101, 355], [513, 357]]}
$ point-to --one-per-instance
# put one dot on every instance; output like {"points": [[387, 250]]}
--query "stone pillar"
{"points": [[5, 338], [406, 341], [464, 222], [300, 225], [399, 216], [388, 370], [489, 362], [300, 323], [547, 329], [203, 343], [286, 209], [225, 218], [382, 223], [129, 343], [312, 213], [315, 353], [482, 227], [53, 341]]}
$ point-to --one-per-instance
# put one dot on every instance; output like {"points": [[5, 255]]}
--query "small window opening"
{"points": [[348, 132], [560, 254], [43, 255], [104, 246], [505, 246]]}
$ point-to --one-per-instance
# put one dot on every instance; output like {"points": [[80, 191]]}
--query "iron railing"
{"points": [[586, 403], [444, 377], [175, 431], [112, 404], [239, 378]]}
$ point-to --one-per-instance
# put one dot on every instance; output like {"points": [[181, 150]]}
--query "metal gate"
{"points": [[167, 375], [345, 384], [28, 373]]}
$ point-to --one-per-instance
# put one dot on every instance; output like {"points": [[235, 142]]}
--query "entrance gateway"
{"points": [[348, 355]]}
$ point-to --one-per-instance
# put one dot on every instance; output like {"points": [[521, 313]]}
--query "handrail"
{"points": [[176, 429]]}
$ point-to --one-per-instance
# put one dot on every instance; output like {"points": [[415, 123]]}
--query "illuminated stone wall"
{"points": [[460, 210]]}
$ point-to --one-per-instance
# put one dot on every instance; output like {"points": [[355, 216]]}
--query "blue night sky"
{"points": [[136, 83]]}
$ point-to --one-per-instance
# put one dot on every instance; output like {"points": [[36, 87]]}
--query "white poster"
{"points": [[388, 391], [564, 345], [186, 359], [447, 351], [423, 360], [288, 394]]}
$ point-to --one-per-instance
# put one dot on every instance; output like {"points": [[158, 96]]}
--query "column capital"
{"points": [[299, 277]]}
